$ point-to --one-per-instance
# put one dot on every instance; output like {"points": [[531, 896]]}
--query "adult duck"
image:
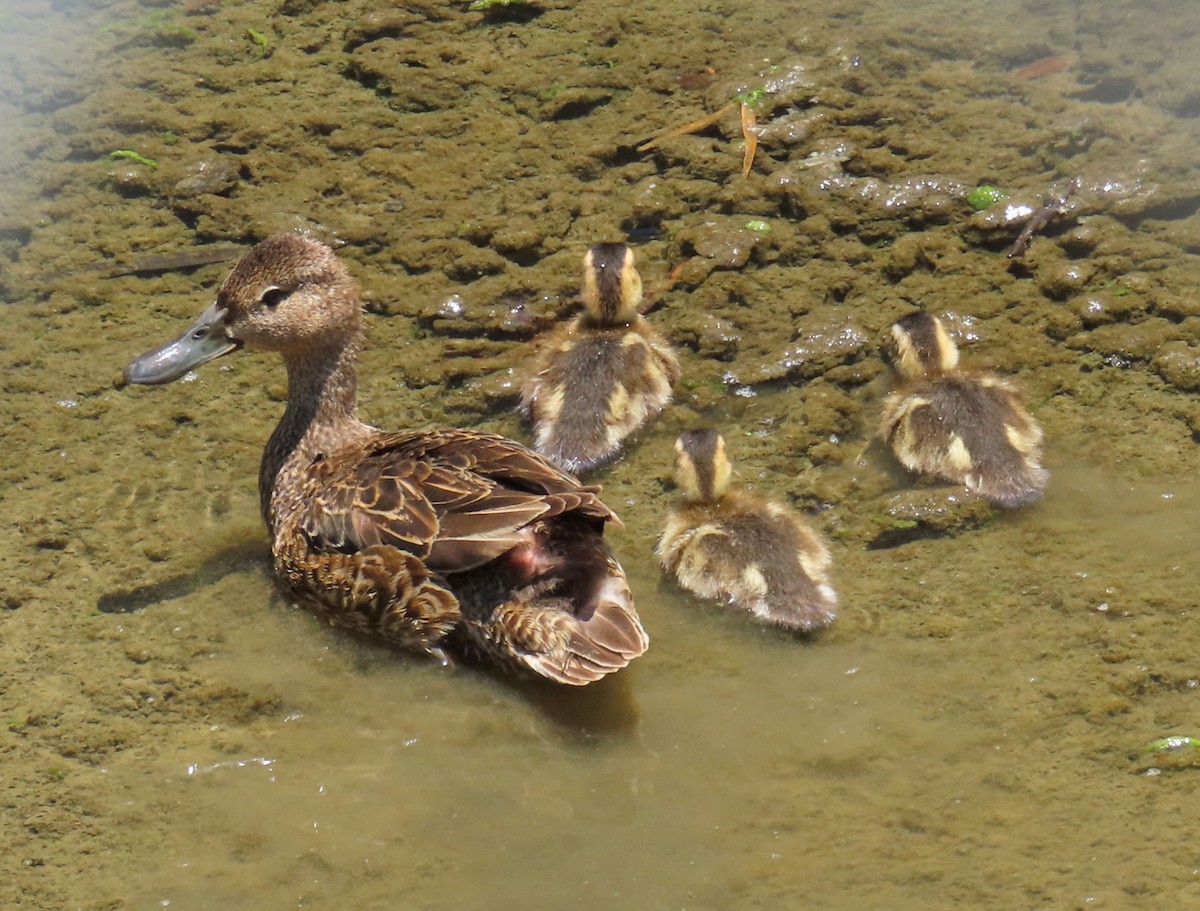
{"points": [[439, 541]]}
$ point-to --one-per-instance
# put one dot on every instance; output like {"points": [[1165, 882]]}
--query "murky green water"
{"points": [[968, 732]]}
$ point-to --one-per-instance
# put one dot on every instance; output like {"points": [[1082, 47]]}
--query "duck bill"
{"points": [[207, 339]]}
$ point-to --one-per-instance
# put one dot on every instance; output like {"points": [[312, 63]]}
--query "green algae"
{"points": [[967, 701], [135, 157], [980, 198]]}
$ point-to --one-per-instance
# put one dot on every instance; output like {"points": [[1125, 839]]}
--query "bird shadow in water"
{"points": [[589, 715], [237, 558], [592, 715]]}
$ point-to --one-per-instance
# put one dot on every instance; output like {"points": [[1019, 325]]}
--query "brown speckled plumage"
{"points": [[752, 553], [434, 540], [598, 380], [968, 428]]}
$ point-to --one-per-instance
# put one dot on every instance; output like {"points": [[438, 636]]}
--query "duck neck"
{"points": [[321, 417], [608, 312]]}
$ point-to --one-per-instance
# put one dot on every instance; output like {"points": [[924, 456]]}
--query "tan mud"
{"points": [[966, 734]]}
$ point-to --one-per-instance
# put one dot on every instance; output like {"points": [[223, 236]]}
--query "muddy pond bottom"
{"points": [[921, 750]]}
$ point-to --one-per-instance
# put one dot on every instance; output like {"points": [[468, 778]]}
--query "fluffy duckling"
{"points": [[605, 375], [435, 540], [753, 553], [966, 428]]}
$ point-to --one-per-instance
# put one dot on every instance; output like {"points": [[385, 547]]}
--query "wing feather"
{"points": [[455, 498]]}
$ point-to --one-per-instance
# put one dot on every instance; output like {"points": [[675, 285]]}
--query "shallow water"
{"points": [[970, 730]]}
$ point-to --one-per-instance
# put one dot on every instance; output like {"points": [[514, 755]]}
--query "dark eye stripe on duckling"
{"points": [[922, 344], [700, 448], [604, 278]]}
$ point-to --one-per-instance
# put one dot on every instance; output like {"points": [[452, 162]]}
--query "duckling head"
{"points": [[923, 347], [288, 294], [702, 469], [612, 288]]}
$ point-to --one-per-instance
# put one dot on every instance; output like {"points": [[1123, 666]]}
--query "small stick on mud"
{"points": [[750, 137], [187, 258], [694, 127], [651, 295], [1042, 217]]}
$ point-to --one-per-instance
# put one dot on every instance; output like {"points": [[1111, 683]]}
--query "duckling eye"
{"points": [[273, 296]]}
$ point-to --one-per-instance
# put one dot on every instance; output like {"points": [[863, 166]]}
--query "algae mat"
{"points": [[972, 729]]}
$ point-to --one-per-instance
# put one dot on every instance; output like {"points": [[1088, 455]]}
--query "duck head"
{"points": [[288, 294], [702, 468], [612, 288], [923, 347]]}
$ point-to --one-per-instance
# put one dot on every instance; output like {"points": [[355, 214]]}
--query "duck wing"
{"points": [[971, 430], [457, 499]]}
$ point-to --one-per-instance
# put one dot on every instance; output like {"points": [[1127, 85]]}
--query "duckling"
{"points": [[438, 541], [605, 375], [756, 554], [967, 428]]}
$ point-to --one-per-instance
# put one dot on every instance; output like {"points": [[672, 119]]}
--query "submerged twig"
{"points": [[750, 137], [153, 263], [173, 262], [1042, 217], [662, 287], [694, 126]]}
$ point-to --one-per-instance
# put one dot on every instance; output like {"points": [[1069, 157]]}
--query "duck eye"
{"points": [[273, 297]]}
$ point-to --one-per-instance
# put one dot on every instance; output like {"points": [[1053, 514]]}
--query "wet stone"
{"points": [[724, 243], [1179, 306], [130, 180], [879, 162], [789, 129], [1085, 236], [654, 199], [1060, 323], [451, 316], [1003, 218], [918, 251], [1138, 283], [928, 512], [827, 410], [856, 373], [708, 335], [520, 241], [1136, 342], [459, 259], [1179, 364], [384, 66], [1065, 279], [1099, 308], [930, 194], [511, 316], [823, 343], [518, 318], [214, 176], [498, 391], [779, 86]]}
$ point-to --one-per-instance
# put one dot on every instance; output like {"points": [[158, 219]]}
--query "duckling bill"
{"points": [[969, 428], [603, 377], [438, 541], [755, 554]]}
